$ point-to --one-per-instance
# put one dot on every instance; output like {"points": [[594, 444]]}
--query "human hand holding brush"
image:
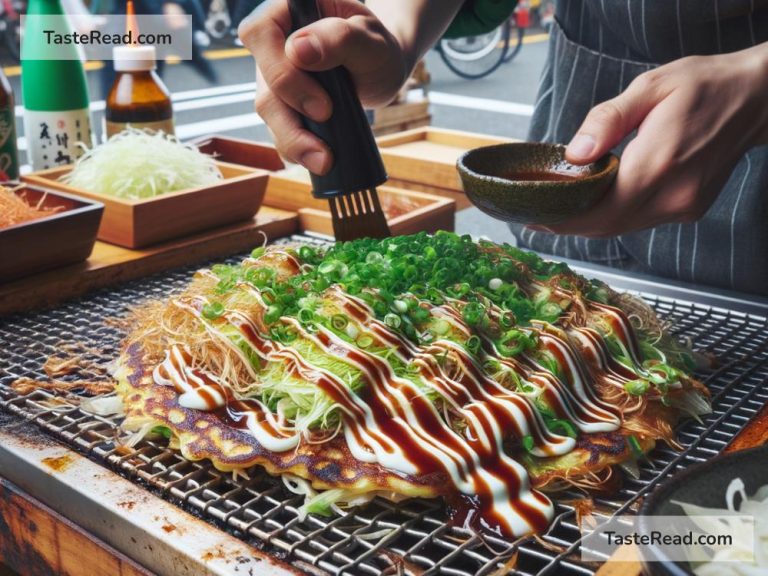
{"points": [[378, 43]]}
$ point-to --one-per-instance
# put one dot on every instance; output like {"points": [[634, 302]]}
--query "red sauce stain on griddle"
{"points": [[466, 512]]}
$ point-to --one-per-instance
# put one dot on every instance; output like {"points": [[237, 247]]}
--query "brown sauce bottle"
{"points": [[138, 97]]}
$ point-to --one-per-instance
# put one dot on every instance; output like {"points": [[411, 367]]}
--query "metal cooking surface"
{"points": [[380, 538]]}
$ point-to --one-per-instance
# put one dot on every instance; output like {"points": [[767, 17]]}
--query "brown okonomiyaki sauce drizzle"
{"points": [[391, 422]]}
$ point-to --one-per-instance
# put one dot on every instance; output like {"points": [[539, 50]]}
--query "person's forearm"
{"points": [[417, 24]]}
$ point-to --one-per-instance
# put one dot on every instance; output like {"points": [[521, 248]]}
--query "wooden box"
{"points": [[62, 238], [400, 116], [240, 151], [425, 159], [407, 212], [139, 223]]}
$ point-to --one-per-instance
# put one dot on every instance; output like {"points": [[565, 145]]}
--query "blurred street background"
{"points": [[499, 104]]}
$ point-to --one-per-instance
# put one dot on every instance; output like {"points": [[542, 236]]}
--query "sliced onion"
{"points": [[103, 406], [692, 403], [630, 467]]}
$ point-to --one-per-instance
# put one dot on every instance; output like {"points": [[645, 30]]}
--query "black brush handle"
{"points": [[357, 164]]}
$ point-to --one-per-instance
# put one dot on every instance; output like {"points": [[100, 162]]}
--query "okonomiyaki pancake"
{"points": [[417, 366], [200, 435]]}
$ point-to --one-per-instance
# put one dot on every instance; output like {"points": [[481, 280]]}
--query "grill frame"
{"points": [[261, 512]]}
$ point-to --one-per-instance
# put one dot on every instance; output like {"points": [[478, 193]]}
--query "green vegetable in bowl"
{"points": [[136, 164]]}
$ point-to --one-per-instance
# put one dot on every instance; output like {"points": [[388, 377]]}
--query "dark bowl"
{"points": [[704, 485], [488, 177], [63, 238]]}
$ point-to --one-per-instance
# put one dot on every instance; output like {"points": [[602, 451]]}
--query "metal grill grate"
{"points": [[381, 538]]}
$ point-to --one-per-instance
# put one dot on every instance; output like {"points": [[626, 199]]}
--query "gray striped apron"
{"points": [[596, 49]]}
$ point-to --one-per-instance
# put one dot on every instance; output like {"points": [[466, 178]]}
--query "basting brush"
{"points": [[350, 185]]}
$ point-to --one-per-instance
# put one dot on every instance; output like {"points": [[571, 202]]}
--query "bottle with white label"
{"points": [[56, 116]]}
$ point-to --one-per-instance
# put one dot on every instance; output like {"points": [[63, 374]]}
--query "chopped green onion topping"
{"points": [[473, 344], [527, 442], [401, 275], [634, 446], [268, 295], [306, 315], [364, 341], [514, 341], [339, 321], [213, 310], [420, 315], [441, 327], [473, 313], [272, 314], [393, 320], [507, 319], [374, 258], [163, 431], [549, 311], [307, 254], [637, 387], [327, 267], [566, 427], [435, 296]]}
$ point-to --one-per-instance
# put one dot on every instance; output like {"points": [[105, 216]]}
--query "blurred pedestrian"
{"points": [[170, 9]]}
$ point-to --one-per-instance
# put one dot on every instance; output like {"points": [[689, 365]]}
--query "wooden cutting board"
{"points": [[110, 264]]}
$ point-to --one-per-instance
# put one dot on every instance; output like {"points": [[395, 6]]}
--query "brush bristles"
{"points": [[358, 215]]}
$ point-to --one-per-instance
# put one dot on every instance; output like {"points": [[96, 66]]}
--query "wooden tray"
{"points": [[425, 159], [62, 238], [409, 212], [140, 223], [110, 264], [261, 155]]}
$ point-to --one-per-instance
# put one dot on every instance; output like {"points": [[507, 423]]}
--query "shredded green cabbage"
{"points": [[136, 164]]}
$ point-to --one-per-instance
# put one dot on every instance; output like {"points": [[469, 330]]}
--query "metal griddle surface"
{"points": [[380, 538]]}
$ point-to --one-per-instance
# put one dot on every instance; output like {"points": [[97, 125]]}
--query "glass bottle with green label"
{"points": [[9, 154], [56, 116]]}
